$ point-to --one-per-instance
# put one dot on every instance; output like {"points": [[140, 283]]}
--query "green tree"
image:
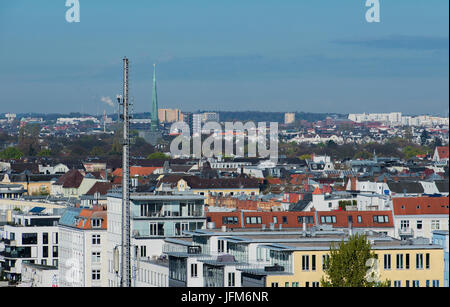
{"points": [[97, 151], [45, 153], [158, 155], [11, 153], [347, 265]]}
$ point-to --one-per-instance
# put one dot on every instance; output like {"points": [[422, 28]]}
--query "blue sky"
{"points": [[235, 55]]}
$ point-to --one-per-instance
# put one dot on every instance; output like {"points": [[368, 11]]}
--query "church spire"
{"points": [[155, 121]]}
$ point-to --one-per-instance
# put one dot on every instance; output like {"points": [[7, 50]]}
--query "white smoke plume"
{"points": [[108, 101]]}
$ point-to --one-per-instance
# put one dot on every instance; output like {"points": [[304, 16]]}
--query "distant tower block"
{"points": [[289, 118], [155, 121]]}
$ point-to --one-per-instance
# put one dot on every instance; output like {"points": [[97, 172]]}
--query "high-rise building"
{"points": [[210, 117], [169, 115], [197, 123], [289, 118]]}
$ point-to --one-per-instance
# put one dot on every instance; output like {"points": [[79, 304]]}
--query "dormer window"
{"points": [[96, 223]]}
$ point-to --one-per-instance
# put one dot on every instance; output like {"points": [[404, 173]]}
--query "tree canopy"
{"points": [[349, 265]]}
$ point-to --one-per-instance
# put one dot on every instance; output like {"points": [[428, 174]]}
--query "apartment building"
{"points": [[30, 238], [154, 217], [83, 248], [404, 264], [420, 216], [292, 258], [440, 237]]}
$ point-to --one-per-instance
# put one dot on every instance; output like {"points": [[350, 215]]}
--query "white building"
{"points": [[83, 248], [154, 218], [33, 238], [39, 276], [420, 216]]}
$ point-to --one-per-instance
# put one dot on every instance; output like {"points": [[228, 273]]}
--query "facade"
{"points": [[420, 216], [39, 276], [169, 115], [204, 187], [289, 258], [410, 265], [11, 191], [289, 118], [440, 237], [154, 217], [32, 238], [83, 248]]}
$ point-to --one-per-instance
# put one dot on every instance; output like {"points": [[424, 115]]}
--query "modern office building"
{"points": [[30, 238], [154, 217]]}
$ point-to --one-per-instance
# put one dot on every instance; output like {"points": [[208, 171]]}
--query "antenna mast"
{"points": [[125, 269]]}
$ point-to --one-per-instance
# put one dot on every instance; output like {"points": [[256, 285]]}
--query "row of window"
{"points": [[330, 219], [258, 220], [416, 283], [397, 283], [152, 278], [306, 262], [435, 224], [313, 284], [403, 261], [32, 238]]}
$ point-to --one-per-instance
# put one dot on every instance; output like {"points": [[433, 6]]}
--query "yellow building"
{"points": [[35, 184], [169, 115], [205, 187], [413, 265]]}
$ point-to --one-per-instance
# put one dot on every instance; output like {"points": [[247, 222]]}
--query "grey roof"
{"points": [[405, 187], [442, 185]]}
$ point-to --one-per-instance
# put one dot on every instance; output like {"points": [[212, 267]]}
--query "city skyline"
{"points": [[305, 58]]}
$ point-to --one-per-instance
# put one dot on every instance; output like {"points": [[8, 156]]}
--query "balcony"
{"points": [[406, 232]]}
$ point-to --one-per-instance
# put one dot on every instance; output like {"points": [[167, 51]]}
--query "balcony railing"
{"points": [[406, 232]]}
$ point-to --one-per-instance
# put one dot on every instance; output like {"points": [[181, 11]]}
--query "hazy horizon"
{"points": [[285, 56]]}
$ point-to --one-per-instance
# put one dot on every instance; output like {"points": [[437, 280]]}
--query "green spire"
{"points": [[155, 122]]}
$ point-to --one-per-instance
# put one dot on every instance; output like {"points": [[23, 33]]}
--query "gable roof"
{"points": [[405, 187], [420, 205], [100, 187], [71, 179], [442, 152]]}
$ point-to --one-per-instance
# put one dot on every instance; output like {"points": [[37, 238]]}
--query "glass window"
{"points": [[387, 261], [305, 262], [419, 224], [419, 261]]}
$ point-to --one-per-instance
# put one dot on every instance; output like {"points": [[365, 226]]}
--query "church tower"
{"points": [[154, 118]]}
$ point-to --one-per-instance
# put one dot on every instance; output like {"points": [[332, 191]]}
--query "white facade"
{"points": [[39, 276], [83, 257], [419, 225], [35, 244]]}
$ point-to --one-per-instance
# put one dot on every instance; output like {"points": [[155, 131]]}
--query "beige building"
{"points": [[289, 118], [169, 115]]}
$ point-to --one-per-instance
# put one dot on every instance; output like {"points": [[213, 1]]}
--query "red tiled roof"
{"points": [[274, 181], [136, 171], [317, 191], [367, 218], [442, 152], [88, 214], [420, 205]]}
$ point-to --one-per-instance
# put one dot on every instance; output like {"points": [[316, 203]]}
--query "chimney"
{"points": [[353, 183], [350, 225]]}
